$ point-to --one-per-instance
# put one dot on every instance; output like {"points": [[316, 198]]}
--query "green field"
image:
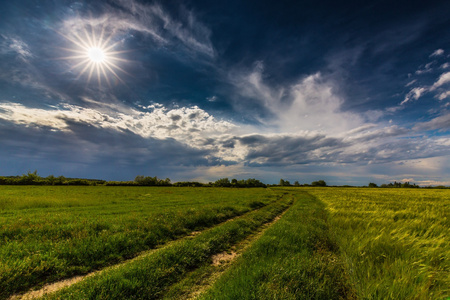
{"points": [[396, 242], [330, 243]]}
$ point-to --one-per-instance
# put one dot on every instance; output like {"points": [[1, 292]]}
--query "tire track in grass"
{"points": [[151, 276], [54, 287], [43, 248], [199, 280]]}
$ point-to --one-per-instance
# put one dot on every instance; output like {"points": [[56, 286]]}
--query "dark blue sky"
{"points": [[347, 91]]}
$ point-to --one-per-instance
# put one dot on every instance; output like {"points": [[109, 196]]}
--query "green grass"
{"points": [[332, 243], [150, 277], [296, 258], [396, 242], [50, 233]]}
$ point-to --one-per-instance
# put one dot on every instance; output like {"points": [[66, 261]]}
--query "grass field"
{"points": [[331, 243], [50, 233], [296, 258], [396, 242]]}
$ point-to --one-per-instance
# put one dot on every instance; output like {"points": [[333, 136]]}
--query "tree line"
{"points": [[32, 178]]}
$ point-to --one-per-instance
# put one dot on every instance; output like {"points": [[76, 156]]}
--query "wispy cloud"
{"points": [[443, 95], [425, 69], [437, 52], [443, 79], [411, 82], [149, 19], [441, 123], [415, 94], [16, 46], [310, 104], [152, 18]]}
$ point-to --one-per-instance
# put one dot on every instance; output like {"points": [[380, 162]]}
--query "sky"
{"points": [[350, 92]]}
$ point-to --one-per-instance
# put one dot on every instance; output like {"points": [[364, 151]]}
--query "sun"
{"points": [[94, 54]]}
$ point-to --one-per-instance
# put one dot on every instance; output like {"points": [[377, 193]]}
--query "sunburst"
{"points": [[95, 54]]}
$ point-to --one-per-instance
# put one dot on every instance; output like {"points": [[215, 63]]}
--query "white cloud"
{"points": [[439, 123], [315, 105], [443, 95], [411, 82], [155, 19], [149, 19], [212, 98], [443, 79], [187, 125], [426, 69], [445, 65], [15, 45], [311, 104], [221, 141], [437, 52], [415, 94]]}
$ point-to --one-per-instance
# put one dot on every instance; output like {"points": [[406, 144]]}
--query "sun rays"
{"points": [[94, 54]]}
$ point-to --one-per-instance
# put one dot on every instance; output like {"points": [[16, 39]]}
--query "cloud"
{"points": [[89, 152], [445, 65], [16, 46], [212, 98], [443, 95], [149, 19], [415, 94], [153, 19], [441, 123], [310, 104], [411, 82], [426, 69], [188, 125], [157, 130], [443, 79], [437, 52]]}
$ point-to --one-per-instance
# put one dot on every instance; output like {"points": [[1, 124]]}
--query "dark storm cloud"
{"points": [[91, 148]]}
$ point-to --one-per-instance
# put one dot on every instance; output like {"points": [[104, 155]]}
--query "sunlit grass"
{"points": [[150, 277], [296, 258], [395, 241], [49, 233]]}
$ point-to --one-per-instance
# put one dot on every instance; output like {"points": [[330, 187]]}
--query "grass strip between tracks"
{"points": [[151, 276], [296, 258]]}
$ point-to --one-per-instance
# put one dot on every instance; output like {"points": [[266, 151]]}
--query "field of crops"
{"points": [[396, 242], [281, 243]]}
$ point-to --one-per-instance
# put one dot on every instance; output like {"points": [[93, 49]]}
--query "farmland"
{"points": [[395, 242], [287, 243]]}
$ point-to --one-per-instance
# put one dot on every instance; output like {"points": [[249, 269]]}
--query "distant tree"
{"points": [[284, 183], [373, 185], [296, 183], [31, 178], [50, 180], [166, 182], [319, 183], [222, 182], [252, 182], [60, 180], [139, 178]]}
